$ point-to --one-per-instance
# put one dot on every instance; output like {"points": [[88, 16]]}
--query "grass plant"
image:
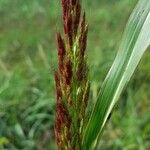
{"points": [[70, 100]]}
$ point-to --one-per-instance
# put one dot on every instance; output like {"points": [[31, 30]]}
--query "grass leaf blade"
{"points": [[135, 41]]}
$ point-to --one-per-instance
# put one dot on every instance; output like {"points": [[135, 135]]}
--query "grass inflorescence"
{"points": [[72, 83]]}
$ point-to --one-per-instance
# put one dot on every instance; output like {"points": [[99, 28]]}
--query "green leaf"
{"points": [[135, 41]]}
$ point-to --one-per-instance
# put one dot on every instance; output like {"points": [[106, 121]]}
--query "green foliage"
{"points": [[135, 41], [27, 47]]}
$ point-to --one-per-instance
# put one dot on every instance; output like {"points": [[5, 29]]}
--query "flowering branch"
{"points": [[71, 78]]}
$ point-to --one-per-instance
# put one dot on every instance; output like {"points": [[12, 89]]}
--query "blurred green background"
{"points": [[28, 58]]}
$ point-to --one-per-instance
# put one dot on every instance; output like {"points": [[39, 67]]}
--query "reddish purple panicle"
{"points": [[72, 85]]}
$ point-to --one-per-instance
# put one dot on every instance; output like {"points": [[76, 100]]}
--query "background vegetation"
{"points": [[27, 60]]}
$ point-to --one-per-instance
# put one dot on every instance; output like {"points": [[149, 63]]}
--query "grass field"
{"points": [[28, 58]]}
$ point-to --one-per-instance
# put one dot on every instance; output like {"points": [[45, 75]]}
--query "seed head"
{"points": [[71, 77]]}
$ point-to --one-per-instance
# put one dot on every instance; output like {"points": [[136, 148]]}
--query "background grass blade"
{"points": [[135, 41]]}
